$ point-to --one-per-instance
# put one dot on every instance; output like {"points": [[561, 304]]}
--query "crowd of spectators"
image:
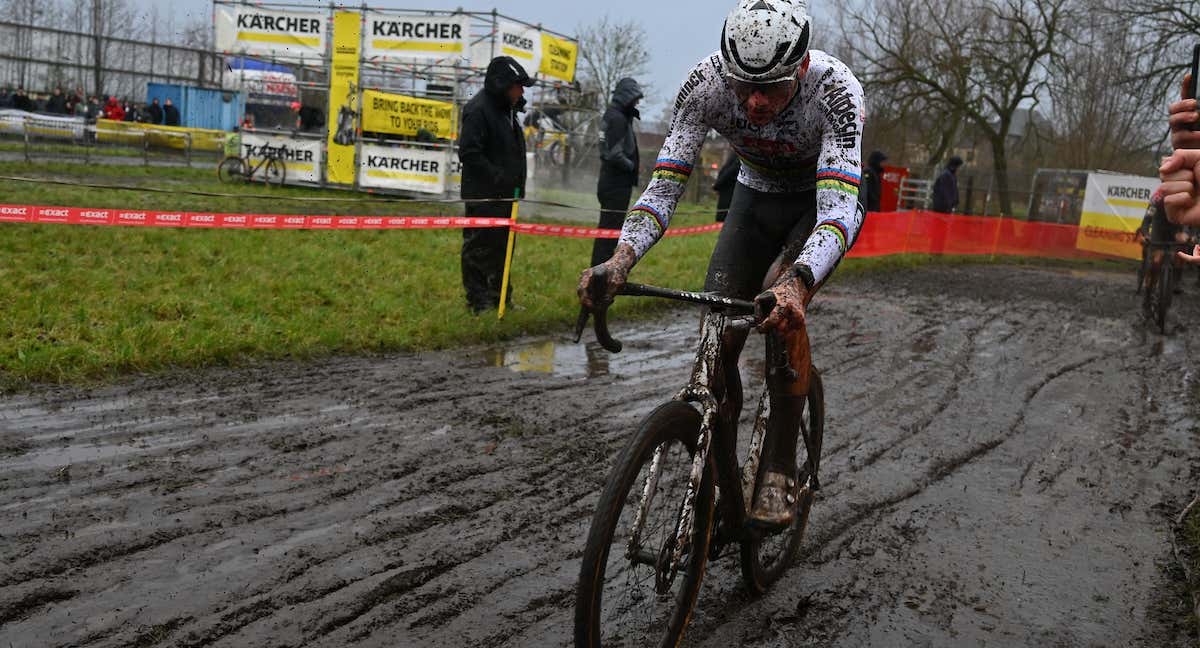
{"points": [[92, 107]]}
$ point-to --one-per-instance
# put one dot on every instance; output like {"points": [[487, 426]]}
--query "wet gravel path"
{"points": [[1004, 449]]}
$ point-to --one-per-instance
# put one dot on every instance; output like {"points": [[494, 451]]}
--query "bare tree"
{"points": [[611, 50], [981, 60], [1103, 116], [1165, 32]]}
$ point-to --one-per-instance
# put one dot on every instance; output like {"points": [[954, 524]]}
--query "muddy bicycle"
{"points": [[677, 496], [239, 169], [1160, 283]]}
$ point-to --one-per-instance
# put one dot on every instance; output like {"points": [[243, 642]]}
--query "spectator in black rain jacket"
{"points": [[873, 180], [725, 184], [492, 152], [170, 114], [154, 112], [945, 189], [620, 163]]}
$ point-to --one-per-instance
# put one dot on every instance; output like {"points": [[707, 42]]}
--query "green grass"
{"points": [[81, 304]]}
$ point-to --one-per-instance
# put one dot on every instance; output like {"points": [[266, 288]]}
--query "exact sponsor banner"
{"points": [[263, 32], [1113, 209], [301, 157], [425, 37], [407, 169], [343, 97], [403, 115], [558, 58]]}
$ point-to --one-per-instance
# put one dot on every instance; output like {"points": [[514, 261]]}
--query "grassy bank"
{"points": [[83, 303]]}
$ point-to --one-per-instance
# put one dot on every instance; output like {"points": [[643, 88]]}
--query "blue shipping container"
{"points": [[200, 107]]}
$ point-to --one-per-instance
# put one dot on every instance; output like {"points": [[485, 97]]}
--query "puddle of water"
{"points": [[551, 357]]}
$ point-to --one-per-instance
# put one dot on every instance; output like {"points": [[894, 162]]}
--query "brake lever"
{"points": [[598, 291]]}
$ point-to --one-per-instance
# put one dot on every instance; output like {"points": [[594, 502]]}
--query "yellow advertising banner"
{"points": [[396, 114], [343, 98], [558, 57], [175, 137], [1113, 209]]}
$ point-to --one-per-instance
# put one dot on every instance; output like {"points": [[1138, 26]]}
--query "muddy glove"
{"points": [[791, 297], [618, 270]]}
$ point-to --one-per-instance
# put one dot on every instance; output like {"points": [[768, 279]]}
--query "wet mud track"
{"points": [[1004, 449]]}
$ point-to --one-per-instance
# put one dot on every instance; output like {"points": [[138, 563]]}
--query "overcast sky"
{"points": [[682, 31]]}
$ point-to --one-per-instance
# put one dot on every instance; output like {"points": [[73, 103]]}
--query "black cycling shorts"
{"points": [[758, 228]]}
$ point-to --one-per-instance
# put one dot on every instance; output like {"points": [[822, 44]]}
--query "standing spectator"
{"points": [[492, 152], [725, 183], [873, 180], [170, 114], [155, 112], [131, 112], [57, 103], [21, 101], [620, 163], [6, 97], [113, 110], [94, 110], [945, 189], [82, 108], [233, 143]]}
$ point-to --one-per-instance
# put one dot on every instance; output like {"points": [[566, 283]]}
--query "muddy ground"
{"points": [[1005, 448]]}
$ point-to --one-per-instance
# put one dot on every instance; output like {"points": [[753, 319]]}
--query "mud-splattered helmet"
{"points": [[766, 40]]}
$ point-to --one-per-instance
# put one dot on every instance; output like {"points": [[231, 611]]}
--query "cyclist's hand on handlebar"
{"points": [[617, 267], [789, 312]]}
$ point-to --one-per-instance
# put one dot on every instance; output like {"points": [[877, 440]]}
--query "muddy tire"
{"points": [[608, 612], [275, 173], [765, 559], [231, 170], [1165, 290]]}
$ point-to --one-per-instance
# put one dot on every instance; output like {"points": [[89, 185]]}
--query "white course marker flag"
{"points": [[394, 36], [262, 32], [407, 169]]}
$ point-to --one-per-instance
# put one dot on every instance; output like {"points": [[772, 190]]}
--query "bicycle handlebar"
{"points": [[760, 308]]}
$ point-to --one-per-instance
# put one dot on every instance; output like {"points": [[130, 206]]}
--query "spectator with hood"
{"points": [[492, 152], [620, 164], [945, 189], [57, 103], [113, 110], [873, 180]]}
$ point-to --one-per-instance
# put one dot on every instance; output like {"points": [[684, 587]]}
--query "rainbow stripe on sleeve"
{"points": [[655, 215], [670, 170], [838, 180], [838, 229]]}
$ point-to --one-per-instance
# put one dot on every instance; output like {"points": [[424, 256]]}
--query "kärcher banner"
{"points": [[263, 32]]}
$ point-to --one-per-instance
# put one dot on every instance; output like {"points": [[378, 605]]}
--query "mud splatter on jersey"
{"points": [[813, 144]]}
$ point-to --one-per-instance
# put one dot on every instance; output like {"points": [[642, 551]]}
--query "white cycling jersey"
{"points": [[814, 143]]}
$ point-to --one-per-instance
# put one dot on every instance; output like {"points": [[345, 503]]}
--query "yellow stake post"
{"points": [[508, 255]]}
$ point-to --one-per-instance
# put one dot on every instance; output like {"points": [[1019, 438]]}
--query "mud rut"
{"points": [[1004, 449]]}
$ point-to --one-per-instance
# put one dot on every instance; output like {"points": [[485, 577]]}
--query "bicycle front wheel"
{"points": [[628, 593], [276, 172], [764, 559], [231, 169], [1166, 291]]}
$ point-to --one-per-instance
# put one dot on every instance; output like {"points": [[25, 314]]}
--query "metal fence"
{"points": [[31, 137]]}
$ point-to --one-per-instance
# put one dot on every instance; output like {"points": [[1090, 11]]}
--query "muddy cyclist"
{"points": [[795, 117]]}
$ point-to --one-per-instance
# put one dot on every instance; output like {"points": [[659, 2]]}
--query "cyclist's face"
{"points": [[764, 101]]}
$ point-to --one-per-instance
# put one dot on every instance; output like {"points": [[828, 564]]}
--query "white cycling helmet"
{"points": [[766, 40]]}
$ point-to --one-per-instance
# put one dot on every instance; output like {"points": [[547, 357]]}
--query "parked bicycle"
{"points": [[271, 170], [677, 497]]}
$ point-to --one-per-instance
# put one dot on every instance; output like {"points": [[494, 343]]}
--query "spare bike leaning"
{"points": [[660, 518]]}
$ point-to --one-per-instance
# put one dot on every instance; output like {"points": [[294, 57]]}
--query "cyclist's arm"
{"points": [[839, 217], [650, 217]]}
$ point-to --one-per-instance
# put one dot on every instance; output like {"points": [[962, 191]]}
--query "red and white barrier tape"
{"points": [[205, 220]]}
